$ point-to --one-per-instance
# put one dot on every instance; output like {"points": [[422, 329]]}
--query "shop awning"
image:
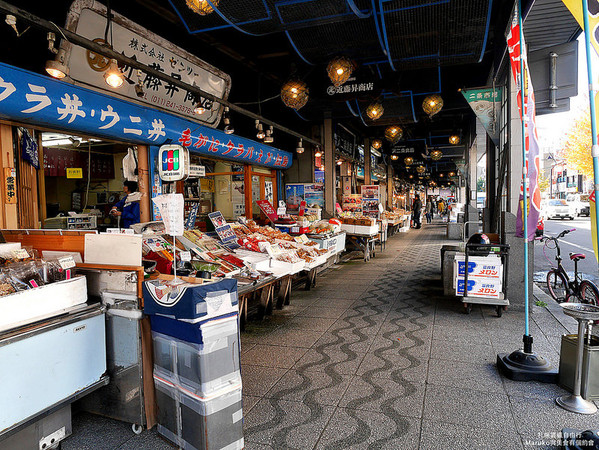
{"points": [[38, 100]]}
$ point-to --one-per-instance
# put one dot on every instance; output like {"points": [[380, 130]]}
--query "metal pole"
{"points": [[110, 53], [592, 92], [527, 339]]}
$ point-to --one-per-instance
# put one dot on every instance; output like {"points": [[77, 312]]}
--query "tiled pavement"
{"points": [[376, 357]]}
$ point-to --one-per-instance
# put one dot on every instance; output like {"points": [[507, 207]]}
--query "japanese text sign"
{"points": [[171, 210], [10, 185], [133, 41], [268, 209], [31, 98], [74, 172]]}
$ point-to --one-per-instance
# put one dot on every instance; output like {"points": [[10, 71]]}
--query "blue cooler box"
{"points": [[209, 363], [191, 302]]}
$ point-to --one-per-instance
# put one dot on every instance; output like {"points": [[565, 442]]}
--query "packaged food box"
{"points": [[478, 266], [199, 302], [480, 287]]}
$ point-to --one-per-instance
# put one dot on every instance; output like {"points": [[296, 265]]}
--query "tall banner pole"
{"points": [[527, 338], [592, 92], [523, 364]]}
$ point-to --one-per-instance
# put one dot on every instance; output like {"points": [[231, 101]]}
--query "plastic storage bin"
{"points": [[200, 423], [205, 367], [198, 302]]}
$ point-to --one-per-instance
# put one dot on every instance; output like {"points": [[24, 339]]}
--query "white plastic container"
{"points": [[201, 368], [42, 302], [198, 423]]}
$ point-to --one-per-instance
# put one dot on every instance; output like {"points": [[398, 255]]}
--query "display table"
{"points": [[365, 242]]}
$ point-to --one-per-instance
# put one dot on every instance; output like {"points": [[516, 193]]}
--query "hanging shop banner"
{"points": [[486, 104], [29, 150], [10, 185], [345, 141], [575, 8], [39, 100], [527, 115], [192, 215], [88, 19]]}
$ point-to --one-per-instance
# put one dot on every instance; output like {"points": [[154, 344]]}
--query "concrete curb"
{"points": [[554, 309]]}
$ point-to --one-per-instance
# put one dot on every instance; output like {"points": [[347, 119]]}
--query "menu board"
{"points": [[171, 210], [371, 198]]}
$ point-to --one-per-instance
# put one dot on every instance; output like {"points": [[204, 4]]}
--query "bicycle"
{"points": [[559, 284]]}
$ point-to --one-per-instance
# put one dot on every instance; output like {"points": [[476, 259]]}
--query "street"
{"points": [[578, 241]]}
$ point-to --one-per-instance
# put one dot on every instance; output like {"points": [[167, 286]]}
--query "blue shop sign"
{"points": [[39, 100]]}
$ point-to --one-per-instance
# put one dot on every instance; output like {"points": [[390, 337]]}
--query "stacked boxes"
{"points": [[196, 363], [485, 275]]}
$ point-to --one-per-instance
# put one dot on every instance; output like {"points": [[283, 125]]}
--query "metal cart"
{"points": [[501, 250]]}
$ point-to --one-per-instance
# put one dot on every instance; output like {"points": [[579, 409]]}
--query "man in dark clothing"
{"points": [[416, 210]]}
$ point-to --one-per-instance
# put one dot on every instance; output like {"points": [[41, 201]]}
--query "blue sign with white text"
{"points": [[39, 100]]}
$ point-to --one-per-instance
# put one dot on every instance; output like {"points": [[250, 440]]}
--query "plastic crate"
{"points": [[202, 368], [196, 423]]}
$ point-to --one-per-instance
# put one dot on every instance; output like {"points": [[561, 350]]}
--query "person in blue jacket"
{"points": [[128, 206]]}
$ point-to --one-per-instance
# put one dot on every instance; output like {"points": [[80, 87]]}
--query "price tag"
{"points": [[185, 256], [66, 262], [20, 254], [303, 239]]}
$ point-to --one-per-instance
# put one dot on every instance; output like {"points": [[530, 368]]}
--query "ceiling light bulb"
{"points": [[339, 162], [199, 109], [377, 143], [441, 175], [318, 153], [113, 76], [228, 128], [260, 134], [300, 146], [340, 71], [322, 168], [56, 68], [454, 139], [394, 157]]}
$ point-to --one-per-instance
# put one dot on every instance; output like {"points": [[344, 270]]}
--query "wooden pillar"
{"points": [[275, 191], [9, 212], [41, 182], [247, 189], [329, 169], [145, 188], [367, 168], [390, 187]]}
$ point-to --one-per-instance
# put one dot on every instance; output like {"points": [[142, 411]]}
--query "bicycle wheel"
{"points": [[557, 285], [589, 293]]}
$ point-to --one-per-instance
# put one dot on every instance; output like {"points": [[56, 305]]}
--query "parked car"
{"points": [[580, 203], [559, 209]]}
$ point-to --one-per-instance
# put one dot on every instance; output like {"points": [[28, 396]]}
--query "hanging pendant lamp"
{"points": [[294, 94], [339, 70]]}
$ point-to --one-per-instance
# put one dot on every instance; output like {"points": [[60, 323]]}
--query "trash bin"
{"points": [[590, 366]]}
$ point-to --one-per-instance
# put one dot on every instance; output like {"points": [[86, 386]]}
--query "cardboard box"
{"points": [[480, 287], [479, 266]]}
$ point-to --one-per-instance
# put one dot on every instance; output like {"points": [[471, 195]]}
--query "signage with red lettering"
{"points": [[267, 209]]}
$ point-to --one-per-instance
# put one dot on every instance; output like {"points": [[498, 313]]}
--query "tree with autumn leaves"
{"points": [[577, 146]]}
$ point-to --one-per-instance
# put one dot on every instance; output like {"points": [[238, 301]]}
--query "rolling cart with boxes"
{"points": [[485, 278]]}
